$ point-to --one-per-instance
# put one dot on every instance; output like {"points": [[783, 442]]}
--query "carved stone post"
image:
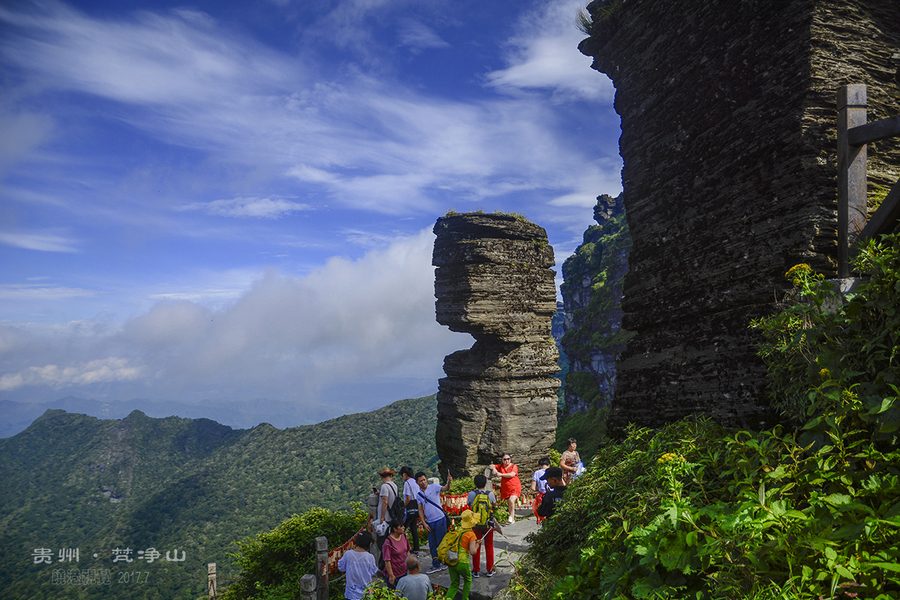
{"points": [[322, 566], [211, 581], [308, 587]]}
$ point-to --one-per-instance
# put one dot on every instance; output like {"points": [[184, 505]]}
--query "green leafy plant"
{"points": [[805, 511], [273, 562]]}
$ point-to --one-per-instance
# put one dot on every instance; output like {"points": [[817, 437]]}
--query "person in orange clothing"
{"points": [[468, 544], [510, 486]]}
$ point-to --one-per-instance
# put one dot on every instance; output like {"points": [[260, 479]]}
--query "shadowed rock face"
{"points": [[493, 280], [729, 179]]}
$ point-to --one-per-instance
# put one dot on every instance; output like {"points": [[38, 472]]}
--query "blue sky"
{"points": [[210, 201]]}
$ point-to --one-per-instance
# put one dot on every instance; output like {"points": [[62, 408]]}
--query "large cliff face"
{"points": [[592, 294], [729, 177], [493, 280]]}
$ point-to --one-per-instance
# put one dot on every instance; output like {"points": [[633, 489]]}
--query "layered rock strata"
{"points": [[493, 280], [728, 143]]}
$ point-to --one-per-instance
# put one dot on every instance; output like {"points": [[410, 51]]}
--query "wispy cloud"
{"points": [[368, 143], [266, 208], [419, 36], [541, 56], [39, 292], [77, 374], [42, 241], [154, 59]]}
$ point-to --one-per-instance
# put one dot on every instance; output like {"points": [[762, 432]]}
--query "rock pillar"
{"points": [[729, 179], [493, 280]]}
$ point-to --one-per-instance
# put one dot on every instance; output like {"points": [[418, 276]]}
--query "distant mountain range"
{"points": [[16, 416], [81, 496]]}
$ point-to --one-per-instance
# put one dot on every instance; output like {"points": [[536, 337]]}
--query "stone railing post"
{"points": [[308, 587], [851, 105], [322, 567], [211, 581]]}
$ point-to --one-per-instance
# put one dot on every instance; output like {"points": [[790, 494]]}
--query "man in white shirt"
{"points": [[432, 515]]}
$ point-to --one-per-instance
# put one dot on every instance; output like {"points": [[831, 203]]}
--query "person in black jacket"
{"points": [[554, 478]]}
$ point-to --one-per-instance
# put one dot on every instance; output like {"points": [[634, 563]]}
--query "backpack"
{"points": [[396, 510], [451, 547], [481, 506]]}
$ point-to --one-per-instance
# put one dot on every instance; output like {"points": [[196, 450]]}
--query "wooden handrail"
{"points": [[853, 133]]}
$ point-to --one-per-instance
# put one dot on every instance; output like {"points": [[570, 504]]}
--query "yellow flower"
{"points": [[825, 374], [796, 272], [670, 457]]}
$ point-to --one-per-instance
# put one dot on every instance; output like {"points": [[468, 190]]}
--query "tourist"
{"points": [[412, 507], [484, 527], [539, 487], [468, 544], [387, 493], [570, 462], [510, 486], [415, 586], [557, 487], [432, 515], [359, 566], [395, 551]]}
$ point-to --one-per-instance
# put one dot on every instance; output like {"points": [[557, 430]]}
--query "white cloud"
{"points": [[74, 374], [23, 132], [41, 241], [267, 208], [284, 337], [544, 55], [40, 292], [419, 36], [154, 59]]}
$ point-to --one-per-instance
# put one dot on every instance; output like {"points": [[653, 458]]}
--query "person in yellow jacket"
{"points": [[468, 544]]}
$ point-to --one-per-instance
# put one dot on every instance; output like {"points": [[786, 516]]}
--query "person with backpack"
{"points": [[412, 507], [482, 503], [432, 515], [455, 550], [389, 509]]}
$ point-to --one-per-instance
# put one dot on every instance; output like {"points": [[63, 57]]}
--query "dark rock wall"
{"points": [[729, 178], [493, 280]]}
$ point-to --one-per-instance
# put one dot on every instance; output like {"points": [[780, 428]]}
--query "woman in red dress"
{"points": [[510, 486]]}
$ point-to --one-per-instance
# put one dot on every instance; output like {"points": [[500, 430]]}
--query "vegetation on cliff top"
{"points": [[812, 511]]}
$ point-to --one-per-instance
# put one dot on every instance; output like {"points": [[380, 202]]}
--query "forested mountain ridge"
{"points": [[76, 482]]}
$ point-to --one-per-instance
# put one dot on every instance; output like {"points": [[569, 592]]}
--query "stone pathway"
{"points": [[507, 549]]}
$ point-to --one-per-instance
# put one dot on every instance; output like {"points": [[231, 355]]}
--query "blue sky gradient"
{"points": [[218, 201]]}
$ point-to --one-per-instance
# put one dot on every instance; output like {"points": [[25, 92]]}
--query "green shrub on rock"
{"points": [[800, 512]]}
